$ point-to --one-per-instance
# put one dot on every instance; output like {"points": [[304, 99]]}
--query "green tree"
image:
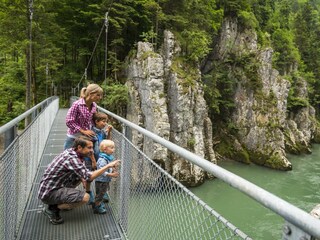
{"points": [[307, 32], [195, 23], [286, 55]]}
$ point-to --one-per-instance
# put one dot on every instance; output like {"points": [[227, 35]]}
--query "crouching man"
{"points": [[64, 173]]}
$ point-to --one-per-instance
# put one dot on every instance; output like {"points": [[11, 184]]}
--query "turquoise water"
{"points": [[299, 187]]}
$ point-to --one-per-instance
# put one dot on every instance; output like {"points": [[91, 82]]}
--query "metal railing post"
{"points": [[125, 177], [9, 136], [291, 232]]}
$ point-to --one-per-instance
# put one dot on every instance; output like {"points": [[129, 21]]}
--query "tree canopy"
{"points": [[58, 46]]}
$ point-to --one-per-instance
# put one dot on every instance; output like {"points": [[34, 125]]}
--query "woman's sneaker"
{"points": [[100, 209], [53, 215]]}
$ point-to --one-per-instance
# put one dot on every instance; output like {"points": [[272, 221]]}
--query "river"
{"points": [[299, 187]]}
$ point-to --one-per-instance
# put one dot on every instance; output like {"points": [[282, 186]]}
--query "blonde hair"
{"points": [[82, 92], [106, 143], [91, 88]]}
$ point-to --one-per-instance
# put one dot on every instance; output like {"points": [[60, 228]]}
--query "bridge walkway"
{"points": [[80, 223], [147, 202]]}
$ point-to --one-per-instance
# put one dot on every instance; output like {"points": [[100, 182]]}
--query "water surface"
{"points": [[299, 187]]}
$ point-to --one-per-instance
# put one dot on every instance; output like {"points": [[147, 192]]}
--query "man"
{"points": [[64, 173]]}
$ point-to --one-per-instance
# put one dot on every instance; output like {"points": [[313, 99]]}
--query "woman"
{"points": [[79, 122], [79, 116]]}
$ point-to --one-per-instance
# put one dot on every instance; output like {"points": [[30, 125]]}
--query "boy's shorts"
{"points": [[64, 195]]}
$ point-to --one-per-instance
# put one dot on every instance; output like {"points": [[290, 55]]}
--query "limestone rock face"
{"points": [[301, 127], [167, 98], [165, 103], [147, 106], [263, 115], [190, 125], [265, 129]]}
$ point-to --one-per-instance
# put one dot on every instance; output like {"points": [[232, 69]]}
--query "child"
{"points": [[100, 122], [103, 181]]}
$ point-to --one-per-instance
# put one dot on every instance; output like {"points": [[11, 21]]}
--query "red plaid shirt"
{"points": [[65, 169], [79, 117]]}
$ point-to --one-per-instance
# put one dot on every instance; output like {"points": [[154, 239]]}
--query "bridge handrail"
{"points": [[9, 129], [289, 212], [19, 163], [18, 119]]}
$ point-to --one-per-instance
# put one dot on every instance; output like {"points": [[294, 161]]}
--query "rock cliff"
{"points": [[266, 130], [166, 98]]}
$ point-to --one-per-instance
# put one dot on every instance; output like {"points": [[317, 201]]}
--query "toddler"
{"points": [[102, 182]]}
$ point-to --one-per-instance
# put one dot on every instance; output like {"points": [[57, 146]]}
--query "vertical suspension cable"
{"points": [[95, 46], [29, 71], [30, 37], [106, 23], [30, 56], [30, 33], [47, 74]]}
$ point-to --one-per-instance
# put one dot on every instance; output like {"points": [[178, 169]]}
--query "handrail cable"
{"points": [[22, 116]]}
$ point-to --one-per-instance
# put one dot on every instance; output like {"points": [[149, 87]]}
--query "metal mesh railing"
{"points": [[298, 223], [148, 203], [18, 167]]}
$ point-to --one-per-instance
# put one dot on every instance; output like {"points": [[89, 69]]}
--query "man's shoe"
{"points": [[106, 198], [99, 209], [91, 199], [54, 216]]}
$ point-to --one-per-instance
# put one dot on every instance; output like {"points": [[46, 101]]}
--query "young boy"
{"points": [[103, 181], [100, 122]]}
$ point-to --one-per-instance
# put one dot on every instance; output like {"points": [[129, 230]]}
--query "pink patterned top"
{"points": [[79, 117]]}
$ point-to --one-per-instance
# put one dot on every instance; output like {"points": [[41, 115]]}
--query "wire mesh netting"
{"points": [[146, 201], [150, 204], [18, 167]]}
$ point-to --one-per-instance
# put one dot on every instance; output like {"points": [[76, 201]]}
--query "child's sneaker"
{"points": [[100, 209], [53, 215], [106, 198]]}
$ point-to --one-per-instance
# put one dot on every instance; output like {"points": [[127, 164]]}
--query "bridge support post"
{"points": [[125, 178], [292, 232], [9, 136]]}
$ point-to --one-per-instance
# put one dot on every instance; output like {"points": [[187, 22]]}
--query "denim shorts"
{"points": [[64, 195], [68, 143]]}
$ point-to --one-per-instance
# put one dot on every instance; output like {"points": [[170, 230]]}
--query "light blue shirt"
{"points": [[103, 160]]}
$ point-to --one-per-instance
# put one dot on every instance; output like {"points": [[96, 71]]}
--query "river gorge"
{"points": [[299, 187]]}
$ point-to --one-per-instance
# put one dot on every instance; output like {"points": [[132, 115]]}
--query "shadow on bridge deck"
{"points": [[79, 223]]}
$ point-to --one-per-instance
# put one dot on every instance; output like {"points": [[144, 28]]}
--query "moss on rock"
{"points": [[276, 162], [233, 151]]}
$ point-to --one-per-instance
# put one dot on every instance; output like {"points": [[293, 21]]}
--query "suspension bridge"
{"points": [[146, 202]]}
